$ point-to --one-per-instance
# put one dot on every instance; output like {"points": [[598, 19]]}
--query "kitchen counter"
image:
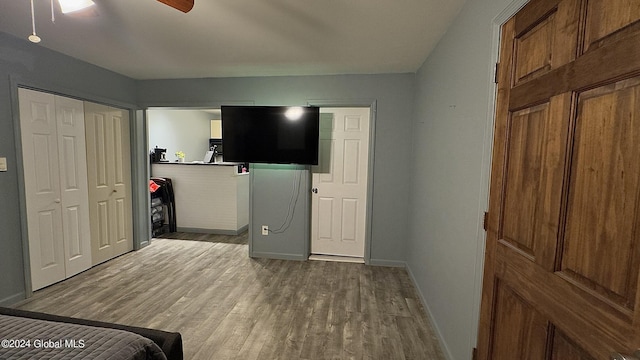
{"points": [[210, 197], [222, 163]]}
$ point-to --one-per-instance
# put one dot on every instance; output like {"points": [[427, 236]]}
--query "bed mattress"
{"points": [[25, 338]]}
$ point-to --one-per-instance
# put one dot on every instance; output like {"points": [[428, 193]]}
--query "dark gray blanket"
{"points": [[24, 338]]}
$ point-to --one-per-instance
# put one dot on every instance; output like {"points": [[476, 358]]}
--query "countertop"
{"points": [[222, 163]]}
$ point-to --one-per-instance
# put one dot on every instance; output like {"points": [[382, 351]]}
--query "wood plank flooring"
{"points": [[229, 306]]}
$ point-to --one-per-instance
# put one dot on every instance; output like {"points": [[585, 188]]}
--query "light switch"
{"points": [[3, 164]]}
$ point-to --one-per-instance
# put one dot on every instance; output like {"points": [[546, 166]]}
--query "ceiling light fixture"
{"points": [[66, 6], [33, 37], [69, 6]]}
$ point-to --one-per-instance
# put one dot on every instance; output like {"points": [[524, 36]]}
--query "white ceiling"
{"points": [[145, 39]]}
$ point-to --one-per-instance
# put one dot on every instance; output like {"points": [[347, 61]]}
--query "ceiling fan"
{"points": [[183, 5], [69, 6]]}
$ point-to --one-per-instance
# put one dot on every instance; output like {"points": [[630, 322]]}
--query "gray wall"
{"points": [[269, 205], [393, 95], [452, 131], [24, 63], [188, 131]]}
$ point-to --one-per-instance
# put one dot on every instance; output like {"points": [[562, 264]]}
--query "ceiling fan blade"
{"points": [[183, 5]]}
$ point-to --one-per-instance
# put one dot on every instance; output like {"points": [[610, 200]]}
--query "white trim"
{"points": [[372, 104], [347, 259], [485, 175]]}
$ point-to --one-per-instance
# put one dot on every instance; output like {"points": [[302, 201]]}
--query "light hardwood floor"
{"points": [[229, 306]]}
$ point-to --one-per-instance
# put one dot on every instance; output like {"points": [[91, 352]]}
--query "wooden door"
{"points": [[339, 182], [563, 229], [109, 164], [55, 176]]}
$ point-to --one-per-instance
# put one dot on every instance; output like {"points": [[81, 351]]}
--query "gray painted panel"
{"points": [[280, 197]]}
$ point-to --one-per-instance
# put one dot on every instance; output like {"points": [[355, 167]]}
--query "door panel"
{"points": [[518, 326], [42, 187], [73, 183], [563, 253], [601, 246], [108, 151], [54, 163], [608, 20], [545, 38], [339, 206]]}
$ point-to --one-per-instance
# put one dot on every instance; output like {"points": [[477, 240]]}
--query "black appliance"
{"points": [[158, 155], [271, 134], [163, 206]]}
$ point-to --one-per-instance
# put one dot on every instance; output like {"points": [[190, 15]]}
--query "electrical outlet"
{"points": [[265, 230]]}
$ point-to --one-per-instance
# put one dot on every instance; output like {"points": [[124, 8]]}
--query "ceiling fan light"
{"points": [[68, 6]]}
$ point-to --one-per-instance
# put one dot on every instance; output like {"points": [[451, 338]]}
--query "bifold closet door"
{"points": [[109, 165], [55, 176]]}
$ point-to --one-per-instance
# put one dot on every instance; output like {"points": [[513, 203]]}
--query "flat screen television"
{"points": [[271, 134]]}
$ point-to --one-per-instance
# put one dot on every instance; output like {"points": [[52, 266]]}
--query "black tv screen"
{"points": [[271, 134]]}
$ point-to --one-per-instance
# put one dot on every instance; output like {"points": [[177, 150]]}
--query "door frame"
{"points": [[140, 233], [485, 176], [372, 105]]}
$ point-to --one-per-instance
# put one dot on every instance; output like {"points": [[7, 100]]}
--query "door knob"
{"points": [[618, 356], [57, 201], [314, 190]]}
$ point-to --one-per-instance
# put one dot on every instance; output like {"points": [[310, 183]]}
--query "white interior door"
{"points": [[54, 164], [339, 183], [73, 185], [109, 165]]}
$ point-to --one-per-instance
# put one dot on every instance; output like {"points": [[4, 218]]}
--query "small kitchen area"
{"points": [[200, 193]]}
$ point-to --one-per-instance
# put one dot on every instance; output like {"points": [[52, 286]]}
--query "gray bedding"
{"points": [[24, 338]]}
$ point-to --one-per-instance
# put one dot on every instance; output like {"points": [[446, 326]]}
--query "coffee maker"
{"points": [[158, 155]]}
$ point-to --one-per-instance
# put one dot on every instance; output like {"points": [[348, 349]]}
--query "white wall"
{"points": [[180, 130], [453, 108]]}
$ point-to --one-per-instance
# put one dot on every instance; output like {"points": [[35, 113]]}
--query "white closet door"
{"points": [[73, 184], [108, 155], [54, 164]]}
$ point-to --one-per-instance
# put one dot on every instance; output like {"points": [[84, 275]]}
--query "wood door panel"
{"points": [[609, 20], [533, 184], [521, 332], [565, 349], [526, 141], [547, 40], [533, 54], [601, 248]]}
